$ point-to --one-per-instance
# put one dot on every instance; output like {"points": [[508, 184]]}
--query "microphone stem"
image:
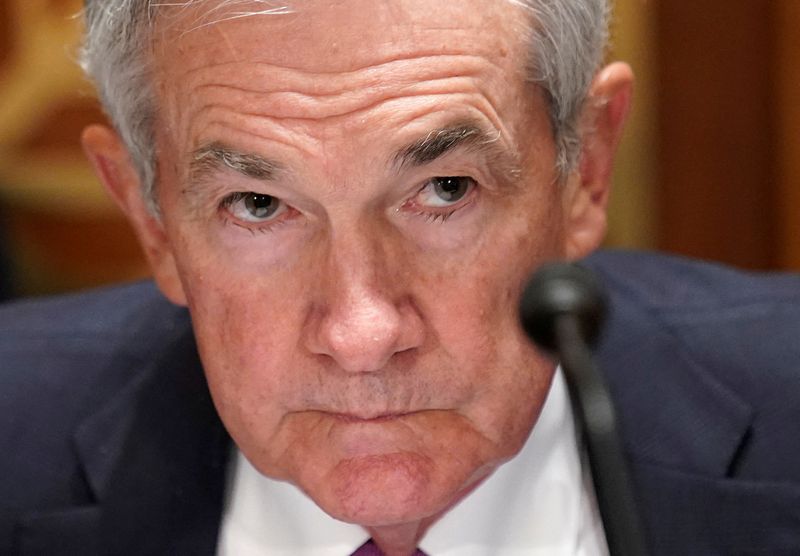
{"points": [[596, 411]]}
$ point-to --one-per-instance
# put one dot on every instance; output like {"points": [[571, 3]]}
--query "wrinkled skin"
{"points": [[357, 324]]}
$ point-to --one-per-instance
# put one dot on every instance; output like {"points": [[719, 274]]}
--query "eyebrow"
{"points": [[442, 141], [216, 156]]}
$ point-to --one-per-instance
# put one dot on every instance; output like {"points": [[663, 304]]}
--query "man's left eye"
{"points": [[445, 191]]}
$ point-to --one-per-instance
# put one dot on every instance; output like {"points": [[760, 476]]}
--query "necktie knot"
{"points": [[369, 548]]}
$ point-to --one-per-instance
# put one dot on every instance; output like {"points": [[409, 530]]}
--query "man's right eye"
{"points": [[253, 207]]}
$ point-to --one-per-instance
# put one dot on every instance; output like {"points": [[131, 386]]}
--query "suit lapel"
{"points": [[154, 457], [683, 431], [691, 514], [672, 410]]}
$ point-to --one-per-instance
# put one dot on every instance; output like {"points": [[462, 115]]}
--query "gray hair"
{"points": [[567, 44]]}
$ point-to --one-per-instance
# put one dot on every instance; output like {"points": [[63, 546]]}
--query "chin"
{"points": [[385, 489]]}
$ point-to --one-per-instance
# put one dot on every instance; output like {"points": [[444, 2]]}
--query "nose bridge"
{"points": [[362, 322], [356, 261], [358, 294]]}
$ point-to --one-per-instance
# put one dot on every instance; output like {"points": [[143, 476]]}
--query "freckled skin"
{"points": [[359, 350]]}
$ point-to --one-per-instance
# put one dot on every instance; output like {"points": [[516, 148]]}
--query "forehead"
{"points": [[332, 70], [338, 36]]}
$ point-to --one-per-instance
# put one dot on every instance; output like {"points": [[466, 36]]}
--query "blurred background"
{"points": [[710, 165]]}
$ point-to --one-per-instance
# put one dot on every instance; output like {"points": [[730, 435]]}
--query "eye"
{"points": [[446, 191], [253, 207]]}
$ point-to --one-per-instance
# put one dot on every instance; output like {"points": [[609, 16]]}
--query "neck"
{"points": [[402, 539], [399, 540]]}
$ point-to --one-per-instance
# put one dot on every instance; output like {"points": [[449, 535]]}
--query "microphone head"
{"points": [[558, 289]]}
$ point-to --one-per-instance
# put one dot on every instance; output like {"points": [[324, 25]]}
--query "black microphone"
{"points": [[562, 309]]}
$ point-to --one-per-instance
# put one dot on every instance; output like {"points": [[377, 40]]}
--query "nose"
{"points": [[362, 316]]}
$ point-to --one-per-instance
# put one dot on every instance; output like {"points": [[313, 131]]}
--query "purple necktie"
{"points": [[369, 549]]}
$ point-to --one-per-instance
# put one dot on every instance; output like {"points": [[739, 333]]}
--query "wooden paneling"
{"points": [[718, 193], [787, 24], [53, 252], [6, 34], [61, 231], [634, 197]]}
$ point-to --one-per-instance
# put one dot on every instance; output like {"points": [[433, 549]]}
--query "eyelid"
{"points": [[472, 184], [441, 214], [231, 198], [284, 213]]}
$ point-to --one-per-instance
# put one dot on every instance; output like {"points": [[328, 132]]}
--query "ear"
{"points": [[588, 187], [113, 166]]}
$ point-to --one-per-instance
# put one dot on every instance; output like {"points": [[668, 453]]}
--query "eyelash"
{"points": [[438, 217], [254, 229], [433, 216]]}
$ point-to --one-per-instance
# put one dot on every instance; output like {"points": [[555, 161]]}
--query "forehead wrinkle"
{"points": [[315, 92], [353, 110], [312, 100], [338, 79], [302, 96], [258, 128]]}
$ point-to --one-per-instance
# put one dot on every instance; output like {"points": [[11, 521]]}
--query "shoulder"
{"points": [[101, 311], [669, 283], [716, 311], [72, 343], [697, 346], [60, 359], [68, 339]]}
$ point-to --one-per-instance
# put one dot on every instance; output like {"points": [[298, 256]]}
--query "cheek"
{"points": [[508, 378], [473, 297], [240, 342], [472, 307], [247, 324]]}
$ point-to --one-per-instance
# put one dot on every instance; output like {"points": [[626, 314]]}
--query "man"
{"points": [[348, 197]]}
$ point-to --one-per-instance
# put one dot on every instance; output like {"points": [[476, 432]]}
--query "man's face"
{"points": [[353, 196]]}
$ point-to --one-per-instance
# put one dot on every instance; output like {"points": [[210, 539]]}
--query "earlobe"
{"points": [[112, 164], [588, 188]]}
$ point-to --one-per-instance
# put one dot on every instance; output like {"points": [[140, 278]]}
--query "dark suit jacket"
{"points": [[110, 443]]}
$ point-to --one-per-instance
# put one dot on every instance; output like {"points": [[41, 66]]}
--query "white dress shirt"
{"points": [[541, 503]]}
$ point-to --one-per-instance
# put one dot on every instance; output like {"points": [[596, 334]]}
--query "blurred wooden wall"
{"points": [[786, 86], [635, 192], [728, 148], [61, 231]]}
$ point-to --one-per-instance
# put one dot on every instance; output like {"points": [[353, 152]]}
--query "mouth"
{"points": [[361, 434], [370, 418]]}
